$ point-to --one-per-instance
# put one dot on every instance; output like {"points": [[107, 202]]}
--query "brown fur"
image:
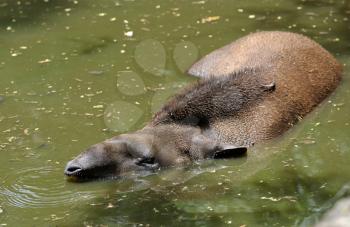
{"points": [[304, 74], [215, 98], [251, 90]]}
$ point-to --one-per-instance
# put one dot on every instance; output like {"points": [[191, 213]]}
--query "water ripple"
{"points": [[37, 188]]}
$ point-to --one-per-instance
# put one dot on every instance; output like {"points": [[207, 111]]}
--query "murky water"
{"points": [[72, 70]]}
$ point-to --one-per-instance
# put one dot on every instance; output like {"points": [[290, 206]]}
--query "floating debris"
{"points": [[252, 16], [96, 72], [271, 198], [308, 141], [198, 2], [26, 131], [210, 19], [155, 210], [210, 208], [110, 205], [289, 198], [44, 61], [129, 34], [15, 54], [96, 204], [98, 107], [11, 139]]}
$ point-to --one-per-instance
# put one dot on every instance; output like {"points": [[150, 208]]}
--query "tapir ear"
{"points": [[138, 149], [132, 146], [230, 151]]}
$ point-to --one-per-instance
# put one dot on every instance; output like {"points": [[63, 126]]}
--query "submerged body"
{"points": [[251, 90]]}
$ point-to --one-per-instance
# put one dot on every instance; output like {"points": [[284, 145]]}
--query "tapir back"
{"points": [[303, 72]]}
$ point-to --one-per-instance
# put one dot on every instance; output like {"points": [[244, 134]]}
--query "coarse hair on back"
{"points": [[214, 97]]}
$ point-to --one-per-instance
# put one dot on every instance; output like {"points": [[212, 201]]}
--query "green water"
{"points": [[66, 65]]}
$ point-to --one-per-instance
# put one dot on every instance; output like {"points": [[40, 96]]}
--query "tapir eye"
{"points": [[147, 162]]}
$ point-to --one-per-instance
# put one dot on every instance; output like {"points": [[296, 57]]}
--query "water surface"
{"points": [[66, 65]]}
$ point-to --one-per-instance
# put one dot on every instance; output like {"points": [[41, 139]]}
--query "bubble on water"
{"points": [[130, 83], [185, 54], [121, 116], [150, 56]]}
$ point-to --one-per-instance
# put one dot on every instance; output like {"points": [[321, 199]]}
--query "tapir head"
{"points": [[147, 151], [114, 157]]}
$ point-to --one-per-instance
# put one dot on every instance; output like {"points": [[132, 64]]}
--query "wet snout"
{"points": [[77, 169], [73, 168], [95, 162]]}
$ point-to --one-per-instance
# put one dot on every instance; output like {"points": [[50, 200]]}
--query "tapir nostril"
{"points": [[70, 170]]}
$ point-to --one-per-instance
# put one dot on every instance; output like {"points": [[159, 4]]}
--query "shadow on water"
{"points": [[14, 13], [92, 46]]}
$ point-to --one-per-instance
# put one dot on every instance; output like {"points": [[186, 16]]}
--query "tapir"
{"points": [[249, 91]]}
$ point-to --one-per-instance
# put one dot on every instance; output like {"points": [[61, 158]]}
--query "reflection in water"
{"points": [[59, 66], [30, 11], [314, 217]]}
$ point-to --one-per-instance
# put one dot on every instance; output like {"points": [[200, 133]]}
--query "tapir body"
{"points": [[251, 90]]}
